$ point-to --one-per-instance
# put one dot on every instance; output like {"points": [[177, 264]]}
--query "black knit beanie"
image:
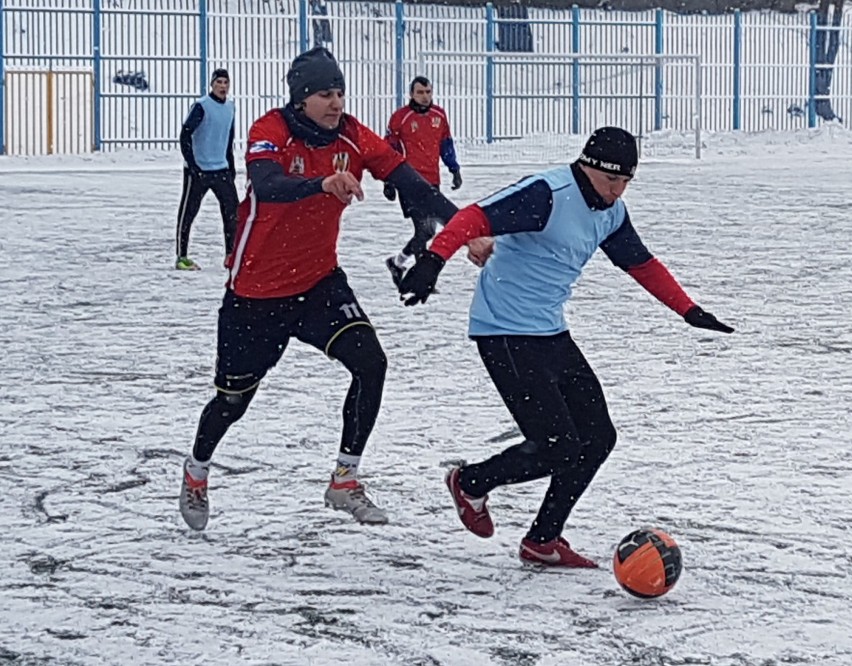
{"points": [[313, 71], [219, 74], [611, 149]]}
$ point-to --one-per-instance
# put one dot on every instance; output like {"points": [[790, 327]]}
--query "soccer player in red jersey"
{"points": [[420, 131], [304, 163]]}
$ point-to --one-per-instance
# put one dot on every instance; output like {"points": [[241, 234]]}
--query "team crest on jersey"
{"points": [[414, 125], [297, 165], [436, 121], [341, 162]]}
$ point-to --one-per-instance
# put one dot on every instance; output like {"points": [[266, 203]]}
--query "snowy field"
{"points": [[737, 445]]}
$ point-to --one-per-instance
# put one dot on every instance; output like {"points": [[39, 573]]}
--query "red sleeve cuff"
{"points": [[470, 222], [657, 281]]}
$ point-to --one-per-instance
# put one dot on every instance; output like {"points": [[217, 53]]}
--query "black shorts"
{"points": [[254, 332]]}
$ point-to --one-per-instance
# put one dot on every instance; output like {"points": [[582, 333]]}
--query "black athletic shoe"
{"points": [[395, 271]]}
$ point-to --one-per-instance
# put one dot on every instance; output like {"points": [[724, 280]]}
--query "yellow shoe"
{"points": [[186, 264]]}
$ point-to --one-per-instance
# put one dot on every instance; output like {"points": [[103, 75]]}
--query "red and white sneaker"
{"points": [[472, 510], [194, 506], [556, 553]]}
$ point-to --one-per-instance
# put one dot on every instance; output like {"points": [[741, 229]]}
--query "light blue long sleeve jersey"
{"points": [[545, 233]]}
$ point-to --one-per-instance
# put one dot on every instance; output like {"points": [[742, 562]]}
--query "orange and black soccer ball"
{"points": [[647, 563]]}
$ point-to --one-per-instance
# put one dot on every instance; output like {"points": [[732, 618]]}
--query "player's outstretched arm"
{"points": [[427, 199], [419, 281], [627, 251]]}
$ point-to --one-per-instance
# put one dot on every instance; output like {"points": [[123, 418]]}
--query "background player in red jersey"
{"points": [[304, 162], [421, 132]]}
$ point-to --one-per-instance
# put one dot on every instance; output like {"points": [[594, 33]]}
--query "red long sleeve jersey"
{"points": [[418, 137], [283, 249]]}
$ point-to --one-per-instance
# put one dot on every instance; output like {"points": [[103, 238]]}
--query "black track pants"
{"points": [[195, 187]]}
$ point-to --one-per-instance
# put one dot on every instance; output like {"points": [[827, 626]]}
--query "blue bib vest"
{"points": [[210, 139], [523, 288]]}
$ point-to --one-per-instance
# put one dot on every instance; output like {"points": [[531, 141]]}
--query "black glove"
{"points": [[695, 316], [457, 180], [420, 279], [389, 192]]}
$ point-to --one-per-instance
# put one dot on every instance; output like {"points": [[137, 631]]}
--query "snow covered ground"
{"points": [[737, 445]]}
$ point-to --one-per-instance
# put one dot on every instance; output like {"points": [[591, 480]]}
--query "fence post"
{"points": [[304, 37], [97, 66], [400, 52], [489, 73], [658, 71], [2, 86], [51, 97], [575, 70], [202, 40], [738, 62], [812, 72]]}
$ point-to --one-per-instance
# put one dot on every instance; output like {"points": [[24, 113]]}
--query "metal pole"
{"points": [[738, 61], [303, 26], [2, 85], [96, 74], [640, 114], [51, 140], [575, 70], [658, 72], [489, 73], [812, 69], [400, 53], [698, 109], [202, 40]]}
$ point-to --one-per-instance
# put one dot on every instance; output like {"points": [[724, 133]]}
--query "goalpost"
{"points": [[551, 102]]}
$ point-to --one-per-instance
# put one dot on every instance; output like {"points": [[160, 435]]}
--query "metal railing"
{"points": [[150, 60]]}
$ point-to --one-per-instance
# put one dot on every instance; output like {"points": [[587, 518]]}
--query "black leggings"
{"points": [[559, 405], [424, 230], [425, 227], [194, 190], [359, 350]]}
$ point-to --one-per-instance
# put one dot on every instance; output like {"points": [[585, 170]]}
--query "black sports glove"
{"points": [[695, 316], [420, 279], [457, 180], [389, 192]]}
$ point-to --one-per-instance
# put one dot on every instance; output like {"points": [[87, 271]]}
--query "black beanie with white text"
{"points": [[612, 150]]}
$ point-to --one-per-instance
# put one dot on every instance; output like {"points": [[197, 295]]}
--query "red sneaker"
{"points": [[556, 553], [472, 510]]}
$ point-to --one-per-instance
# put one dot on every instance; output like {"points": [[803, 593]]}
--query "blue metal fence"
{"points": [[149, 59], [2, 82]]}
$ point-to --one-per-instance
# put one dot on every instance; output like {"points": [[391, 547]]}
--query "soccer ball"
{"points": [[647, 563]]}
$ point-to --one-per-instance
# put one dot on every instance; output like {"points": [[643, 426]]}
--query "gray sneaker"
{"points": [[350, 497], [194, 506]]}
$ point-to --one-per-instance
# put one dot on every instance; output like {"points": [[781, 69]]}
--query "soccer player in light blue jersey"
{"points": [[207, 145], [545, 228]]}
